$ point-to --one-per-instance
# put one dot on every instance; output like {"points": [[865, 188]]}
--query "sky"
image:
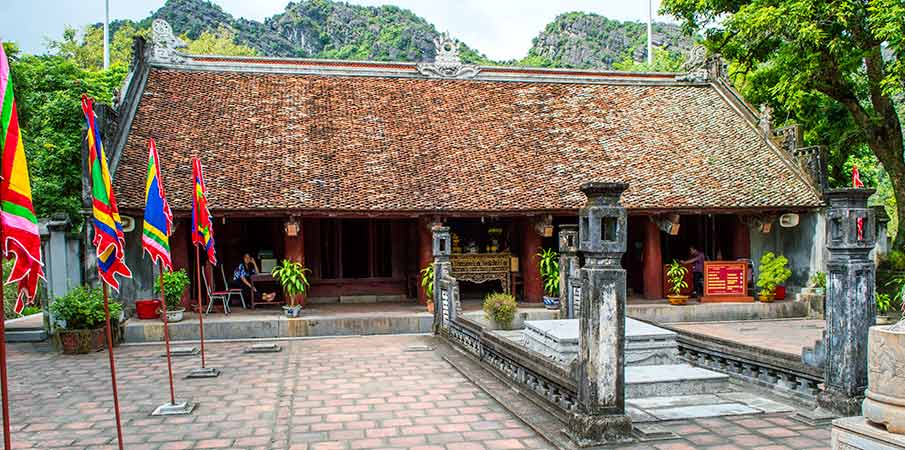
{"points": [[501, 29]]}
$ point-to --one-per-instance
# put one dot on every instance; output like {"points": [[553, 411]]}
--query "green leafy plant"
{"points": [[174, 284], [548, 264], [501, 308], [773, 271], [427, 282], [897, 283], [29, 310], [83, 309], [818, 280], [884, 303], [675, 276], [292, 278]]}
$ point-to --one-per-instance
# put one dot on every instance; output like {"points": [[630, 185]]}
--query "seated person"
{"points": [[242, 276]]}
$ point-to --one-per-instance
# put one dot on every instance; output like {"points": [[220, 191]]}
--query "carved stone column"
{"points": [[569, 281], [601, 418], [850, 306], [446, 298]]}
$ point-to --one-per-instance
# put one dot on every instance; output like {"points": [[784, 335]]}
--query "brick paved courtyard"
{"points": [[346, 393]]}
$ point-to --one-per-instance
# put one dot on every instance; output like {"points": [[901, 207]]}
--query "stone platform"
{"points": [[26, 329], [645, 344], [857, 433]]}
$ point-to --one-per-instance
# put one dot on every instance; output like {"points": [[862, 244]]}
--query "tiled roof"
{"points": [[310, 142]]}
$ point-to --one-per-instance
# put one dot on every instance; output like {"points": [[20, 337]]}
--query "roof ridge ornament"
{"points": [[164, 43], [447, 63], [700, 67]]}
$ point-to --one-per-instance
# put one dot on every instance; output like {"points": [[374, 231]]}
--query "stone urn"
{"points": [[885, 397]]}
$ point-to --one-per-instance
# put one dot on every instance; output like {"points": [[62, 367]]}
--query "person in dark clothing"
{"points": [[242, 277], [697, 269]]}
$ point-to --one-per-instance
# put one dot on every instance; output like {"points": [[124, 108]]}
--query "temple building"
{"points": [[346, 165]]}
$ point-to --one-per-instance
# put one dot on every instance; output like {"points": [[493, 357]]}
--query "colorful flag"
{"points": [[108, 228], [21, 241], [202, 226], [158, 223], [856, 178]]}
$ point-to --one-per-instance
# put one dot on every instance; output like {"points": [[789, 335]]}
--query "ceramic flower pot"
{"points": [[765, 297], [677, 300], [175, 315], [75, 342], [885, 397], [551, 302]]}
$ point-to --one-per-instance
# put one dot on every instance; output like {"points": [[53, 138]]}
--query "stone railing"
{"points": [[545, 379], [763, 367]]}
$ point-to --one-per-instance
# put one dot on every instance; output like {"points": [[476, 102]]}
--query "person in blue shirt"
{"points": [[242, 276]]}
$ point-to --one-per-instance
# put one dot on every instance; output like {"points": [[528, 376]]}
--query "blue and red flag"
{"points": [[158, 221], [108, 228], [202, 225]]}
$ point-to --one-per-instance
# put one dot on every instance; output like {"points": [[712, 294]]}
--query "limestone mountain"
{"points": [[315, 29], [591, 41]]}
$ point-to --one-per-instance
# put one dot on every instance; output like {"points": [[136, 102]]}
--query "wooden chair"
{"points": [[215, 295], [232, 291]]}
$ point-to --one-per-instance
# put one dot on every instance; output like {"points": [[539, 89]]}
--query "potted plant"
{"points": [[884, 307], [174, 285], [675, 276], [79, 317], [818, 283], [548, 264], [500, 309], [427, 284], [291, 277], [773, 271]]}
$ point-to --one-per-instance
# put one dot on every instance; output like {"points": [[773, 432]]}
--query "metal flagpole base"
{"points": [[206, 372], [263, 348], [182, 351], [175, 409]]}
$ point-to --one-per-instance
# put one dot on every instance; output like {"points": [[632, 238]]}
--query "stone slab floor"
{"points": [[338, 393]]}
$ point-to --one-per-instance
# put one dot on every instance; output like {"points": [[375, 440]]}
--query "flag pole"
{"points": [[166, 337], [4, 387], [119, 426], [200, 307]]}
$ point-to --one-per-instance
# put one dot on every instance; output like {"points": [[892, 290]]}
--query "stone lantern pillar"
{"points": [[850, 306], [445, 287], [601, 357], [569, 282]]}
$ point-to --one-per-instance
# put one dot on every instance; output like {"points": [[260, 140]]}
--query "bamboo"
{"points": [[166, 337], [119, 427]]}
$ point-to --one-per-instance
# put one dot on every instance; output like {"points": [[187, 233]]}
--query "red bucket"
{"points": [[147, 309]]}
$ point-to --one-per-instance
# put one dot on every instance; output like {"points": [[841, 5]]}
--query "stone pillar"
{"points": [[445, 302], [653, 261], [569, 281], [294, 245], [425, 254], [601, 417], [179, 252], [881, 249], [531, 246], [850, 306], [55, 258]]}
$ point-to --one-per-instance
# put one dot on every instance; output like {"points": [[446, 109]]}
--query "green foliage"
{"points": [[675, 276], [427, 282], [820, 64], [897, 284], [664, 61], [83, 309], [292, 278], [548, 264], [501, 308], [85, 49], [174, 285], [30, 309], [11, 293], [773, 271], [818, 280], [883, 302], [220, 42]]}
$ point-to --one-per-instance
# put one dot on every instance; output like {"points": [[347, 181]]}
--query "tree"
{"points": [[819, 56], [86, 49], [664, 61], [222, 42]]}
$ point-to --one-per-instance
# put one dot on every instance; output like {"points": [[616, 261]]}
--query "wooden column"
{"points": [[180, 248], [294, 248], [425, 253], [653, 261], [531, 246], [741, 240]]}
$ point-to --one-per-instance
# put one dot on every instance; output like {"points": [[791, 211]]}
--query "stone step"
{"points": [[26, 336], [673, 380]]}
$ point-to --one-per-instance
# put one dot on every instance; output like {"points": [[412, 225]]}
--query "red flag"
{"points": [[202, 226], [856, 178]]}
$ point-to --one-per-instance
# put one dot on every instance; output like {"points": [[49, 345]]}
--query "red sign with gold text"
{"points": [[726, 281]]}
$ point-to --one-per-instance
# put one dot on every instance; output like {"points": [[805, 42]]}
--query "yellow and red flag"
{"points": [[158, 217], [108, 228], [21, 241], [202, 225]]}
